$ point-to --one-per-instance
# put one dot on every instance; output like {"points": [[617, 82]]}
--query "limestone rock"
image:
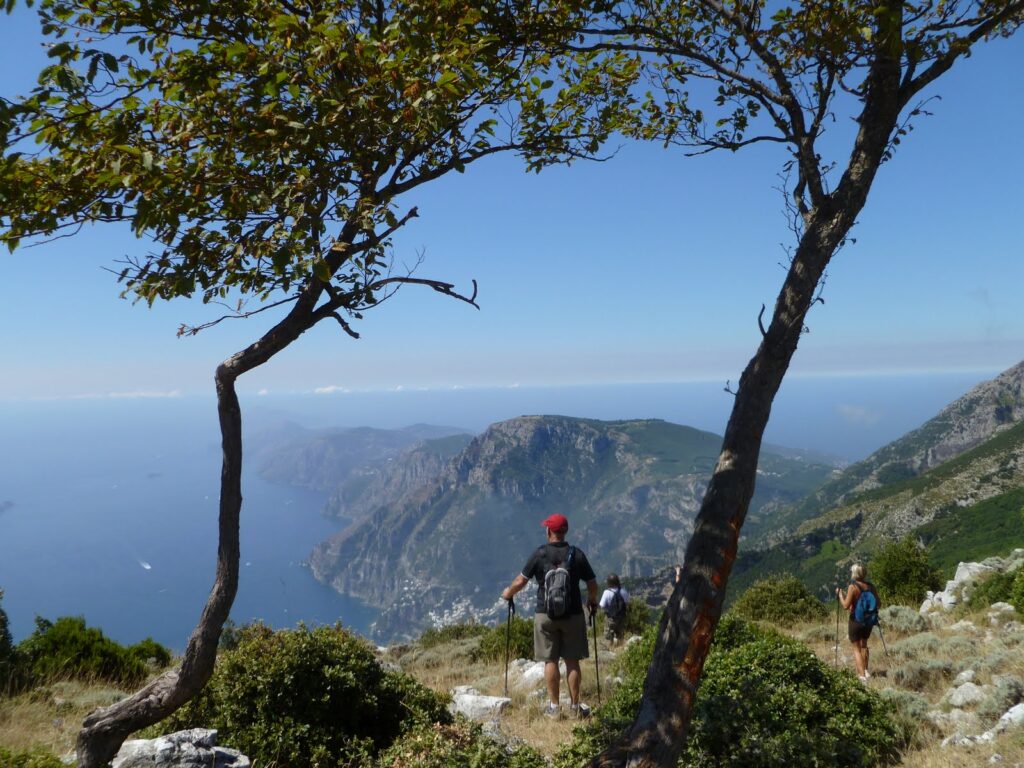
{"points": [[469, 702], [195, 748], [966, 695]]}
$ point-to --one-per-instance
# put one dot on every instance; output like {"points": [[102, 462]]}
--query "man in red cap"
{"points": [[559, 629]]}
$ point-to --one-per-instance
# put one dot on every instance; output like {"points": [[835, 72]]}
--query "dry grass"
{"points": [[444, 667], [49, 717]]}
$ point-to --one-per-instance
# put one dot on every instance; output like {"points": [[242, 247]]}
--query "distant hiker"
{"points": [[613, 602], [861, 600], [559, 629]]}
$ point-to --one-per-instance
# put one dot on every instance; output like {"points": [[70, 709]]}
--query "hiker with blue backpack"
{"points": [[861, 600], [559, 628]]}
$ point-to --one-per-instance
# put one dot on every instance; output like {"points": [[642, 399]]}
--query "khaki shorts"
{"points": [[555, 639]]}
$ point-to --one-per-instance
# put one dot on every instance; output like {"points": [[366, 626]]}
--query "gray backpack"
{"points": [[556, 588]]}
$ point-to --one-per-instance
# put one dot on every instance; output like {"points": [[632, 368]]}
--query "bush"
{"points": [[307, 697], [492, 643], [764, 701], [781, 599], [6, 648], [997, 588], [917, 646], [900, 618], [33, 759], [68, 648], [448, 634], [639, 616], [1007, 691], [1017, 591], [918, 675], [902, 574], [461, 745]]}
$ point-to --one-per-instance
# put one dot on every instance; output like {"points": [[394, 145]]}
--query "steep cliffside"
{"points": [[984, 412]]}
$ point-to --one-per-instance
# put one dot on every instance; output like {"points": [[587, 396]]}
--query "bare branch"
{"points": [[190, 330]]}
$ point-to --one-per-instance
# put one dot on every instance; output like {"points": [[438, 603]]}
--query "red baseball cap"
{"points": [[556, 522]]}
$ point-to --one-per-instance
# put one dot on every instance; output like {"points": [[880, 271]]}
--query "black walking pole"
{"points": [[597, 667], [882, 635], [508, 638], [838, 614]]}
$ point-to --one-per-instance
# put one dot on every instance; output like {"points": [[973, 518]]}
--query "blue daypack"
{"points": [[865, 612]]}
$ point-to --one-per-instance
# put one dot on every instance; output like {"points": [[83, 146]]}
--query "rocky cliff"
{"points": [[631, 489], [984, 412]]}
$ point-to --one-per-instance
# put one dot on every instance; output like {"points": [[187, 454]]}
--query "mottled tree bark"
{"points": [[688, 624]]}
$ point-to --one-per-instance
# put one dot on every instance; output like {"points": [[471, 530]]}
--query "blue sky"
{"points": [[650, 267]]}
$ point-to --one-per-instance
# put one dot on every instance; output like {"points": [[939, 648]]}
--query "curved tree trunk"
{"points": [[104, 730], [658, 734]]}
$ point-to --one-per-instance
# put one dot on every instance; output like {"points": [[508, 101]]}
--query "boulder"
{"points": [[469, 702], [966, 695], [194, 748], [967, 676]]}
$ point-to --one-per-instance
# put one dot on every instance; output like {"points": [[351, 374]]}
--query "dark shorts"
{"points": [[555, 639], [857, 631]]}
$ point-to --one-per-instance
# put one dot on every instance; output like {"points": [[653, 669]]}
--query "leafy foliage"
{"points": [[765, 700], [902, 573], [262, 145], [995, 588], [460, 744], [307, 697], [435, 636], [520, 640], [68, 648], [1017, 591], [781, 599], [31, 759], [6, 647]]}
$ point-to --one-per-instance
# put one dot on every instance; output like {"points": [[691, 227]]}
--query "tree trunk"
{"points": [[104, 730], [658, 734]]}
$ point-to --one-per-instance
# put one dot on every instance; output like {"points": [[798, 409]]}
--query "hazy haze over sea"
{"points": [[108, 507]]}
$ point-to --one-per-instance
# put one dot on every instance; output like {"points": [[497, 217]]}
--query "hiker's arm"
{"points": [[517, 584], [846, 599], [592, 594]]}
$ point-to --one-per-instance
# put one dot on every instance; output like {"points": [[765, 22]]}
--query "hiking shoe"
{"points": [[553, 711], [580, 710]]}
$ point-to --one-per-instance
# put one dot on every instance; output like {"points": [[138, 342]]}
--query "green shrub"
{"points": [[33, 759], [520, 634], [902, 573], [639, 616], [460, 745], [764, 701], [307, 698], [6, 648], [68, 648], [450, 633], [1017, 591], [780, 599], [996, 588]]}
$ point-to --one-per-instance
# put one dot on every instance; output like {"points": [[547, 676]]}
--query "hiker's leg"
{"points": [[866, 653], [858, 658], [552, 678], [572, 676]]}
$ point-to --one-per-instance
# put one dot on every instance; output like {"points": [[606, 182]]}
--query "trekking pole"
{"points": [[838, 614], [508, 638], [597, 667], [882, 635]]}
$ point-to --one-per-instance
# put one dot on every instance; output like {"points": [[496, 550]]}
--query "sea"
{"points": [[108, 506]]}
